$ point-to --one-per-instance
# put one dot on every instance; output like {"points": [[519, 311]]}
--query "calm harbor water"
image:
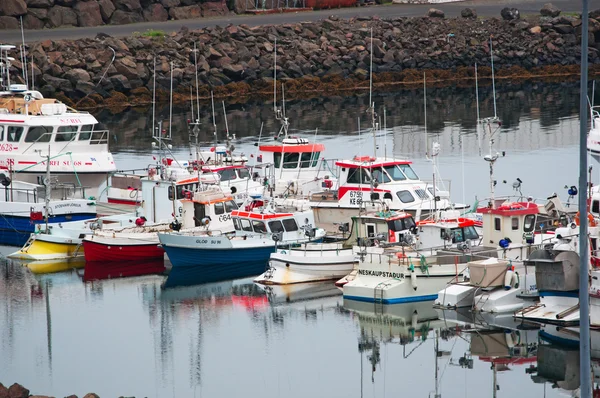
{"points": [[152, 336]]}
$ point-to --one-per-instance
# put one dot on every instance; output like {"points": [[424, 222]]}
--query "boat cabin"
{"points": [[210, 208], [447, 231], [511, 222], [366, 178], [373, 228], [296, 165], [236, 178], [260, 215]]}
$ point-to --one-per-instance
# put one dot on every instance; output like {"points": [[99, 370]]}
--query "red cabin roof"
{"points": [[259, 216], [461, 221], [511, 209]]}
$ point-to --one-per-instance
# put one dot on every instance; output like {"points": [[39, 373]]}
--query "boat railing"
{"points": [[99, 137], [38, 194]]}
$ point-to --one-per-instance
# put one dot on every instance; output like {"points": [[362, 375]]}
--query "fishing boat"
{"points": [[593, 138], [53, 159], [207, 211], [260, 226]]}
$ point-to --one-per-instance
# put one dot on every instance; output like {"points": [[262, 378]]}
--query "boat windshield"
{"points": [[395, 173], [408, 171], [380, 176], [471, 233], [401, 224], [463, 234]]}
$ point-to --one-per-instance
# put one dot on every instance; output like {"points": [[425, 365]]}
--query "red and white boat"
{"points": [[205, 212]]}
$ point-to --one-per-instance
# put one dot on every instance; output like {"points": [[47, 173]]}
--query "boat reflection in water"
{"points": [[324, 294], [96, 270], [39, 267], [196, 275]]}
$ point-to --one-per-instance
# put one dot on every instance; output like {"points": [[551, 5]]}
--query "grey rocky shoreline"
{"points": [[312, 57]]}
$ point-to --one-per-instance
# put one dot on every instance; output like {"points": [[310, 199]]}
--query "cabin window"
{"points": [[595, 204], [457, 235], [14, 134], [422, 194], [470, 233], [199, 214], [2, 128], [408, 171], [65, 133], [514, 223], [236, 223], [230, 206], [395, 173], [379, 175], [245, 225], [497, 224], [315, 158], [290, 160], [39, 134], [259, 227], [405, 196], [227, 174], [290, 225], [370, 230], [594, 246], [275, 226], [529, 223], [401, 224], [305, 159], [243, 173], [277, 160], [86, 132], [219, 208], [358, 176]]}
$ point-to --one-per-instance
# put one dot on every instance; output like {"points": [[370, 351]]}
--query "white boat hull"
{"points": [[311, 263], [559, 310]]}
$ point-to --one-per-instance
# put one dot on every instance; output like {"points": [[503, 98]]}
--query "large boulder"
{"points": [[61, 16], [88, 13], [214, 9], [13, 8], [121, 17], [39, 3], [155, 13], [17, 390], [595, 14], [170, 3], [188, 12], [8, 22], [120, 83], [127, 67], [107, 8], [128, 5], [435, 13], [40, 13], [32, 22], [550, 10], [77, 75], [469, 13], [509, 14]]}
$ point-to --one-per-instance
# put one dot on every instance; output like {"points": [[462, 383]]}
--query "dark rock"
{"points": [[53, 70], [522, 25], [3, 391], [509, 14], [187, 12], [88, 13], [77, 75], [39, 3], [121, 84], [550, 10], [469, 13], [155, 13], [234, 71], [170, 3], [127, 67], [40, 13], [17, 390], [61, 16], [65, 3], [13, 8], [84, 88], [121, 17], [564, 29], [107, 8], [214, 9], [31, 22], [595, 14], [128, 5], [435, 13], [8, 22]]}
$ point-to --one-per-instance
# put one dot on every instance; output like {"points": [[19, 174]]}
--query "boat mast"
{"points": [[487, 122], [584, 303], [48, 189]]}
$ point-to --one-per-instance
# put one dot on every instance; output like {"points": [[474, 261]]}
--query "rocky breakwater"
{"points": [[312, 57], [38, 14]]}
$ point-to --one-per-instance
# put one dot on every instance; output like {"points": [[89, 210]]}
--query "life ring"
{"points": [[591, 220]]}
